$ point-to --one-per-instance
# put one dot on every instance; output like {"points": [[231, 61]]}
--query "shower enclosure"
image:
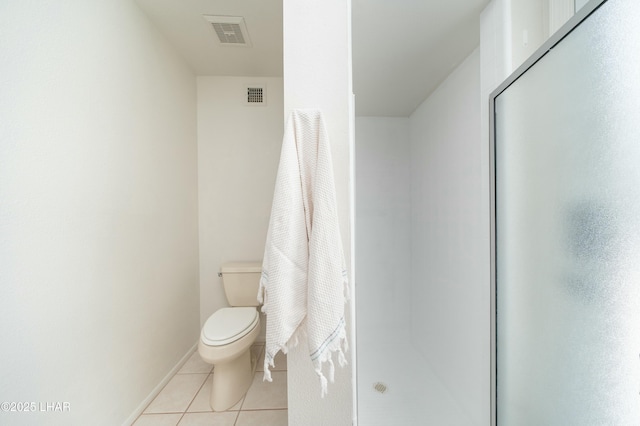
{"points": [[566, 258], [421, 282], [396, 382]]}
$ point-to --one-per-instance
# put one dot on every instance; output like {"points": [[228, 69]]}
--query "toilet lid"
{"points": [[227, 325]]}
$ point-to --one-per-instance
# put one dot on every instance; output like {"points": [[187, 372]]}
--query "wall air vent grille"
{"points": [[231, 30], [256, 95]]}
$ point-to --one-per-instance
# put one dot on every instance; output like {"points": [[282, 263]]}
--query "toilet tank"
{"points": [[241, 281]]}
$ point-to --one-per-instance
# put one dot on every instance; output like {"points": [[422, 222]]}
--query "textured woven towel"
{"points": [[304, 283]]}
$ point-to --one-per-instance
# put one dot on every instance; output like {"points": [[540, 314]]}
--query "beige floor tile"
{"points": [[195, 364], [267, 395], [262, 418], [177, 394], [158, 420], [201, 402], [260, 366], [280, 363], [238, 406], [209, 419]]}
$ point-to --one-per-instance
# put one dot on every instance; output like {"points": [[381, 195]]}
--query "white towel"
{"points": [[304, 283]]}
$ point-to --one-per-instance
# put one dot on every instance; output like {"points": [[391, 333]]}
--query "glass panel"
{"points": [[568, 230]]}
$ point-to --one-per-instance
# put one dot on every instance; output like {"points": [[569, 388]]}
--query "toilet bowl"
{"points": [[227, 336]]}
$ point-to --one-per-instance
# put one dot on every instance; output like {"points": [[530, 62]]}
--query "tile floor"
{"points": [[184, 401]]}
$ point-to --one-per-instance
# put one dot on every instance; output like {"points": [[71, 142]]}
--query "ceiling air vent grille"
{"points": [[229, 33], [231, 30]]}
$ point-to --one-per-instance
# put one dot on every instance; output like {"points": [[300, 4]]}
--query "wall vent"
{"points": [[231, 30], [380, 387], [256, 95]]}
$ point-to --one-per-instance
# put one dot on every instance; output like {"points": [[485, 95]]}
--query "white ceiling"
{"points": [[402, 49], [182, 23]]}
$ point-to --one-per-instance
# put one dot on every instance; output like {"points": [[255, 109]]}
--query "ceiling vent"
{"points": [[231, 30], [256, 95]]}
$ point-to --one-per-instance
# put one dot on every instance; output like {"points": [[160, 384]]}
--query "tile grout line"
{"points": [[265, 409], [235, 422], [153, 399], [244, 398], [211, 372], [186, 410]]}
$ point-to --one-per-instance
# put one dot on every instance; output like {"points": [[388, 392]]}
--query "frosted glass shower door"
{"points": [[567, 230]]}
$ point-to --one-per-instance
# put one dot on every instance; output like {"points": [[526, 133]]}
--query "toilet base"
{"points": [[231, 381], [233, 369]]}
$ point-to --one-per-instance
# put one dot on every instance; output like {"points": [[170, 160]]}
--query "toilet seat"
{"points": [[227, 325]]}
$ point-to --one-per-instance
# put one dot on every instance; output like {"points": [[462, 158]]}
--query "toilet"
{"points": [[228, 334]]}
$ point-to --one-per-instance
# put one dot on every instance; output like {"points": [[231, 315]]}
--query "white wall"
{"points": [[317, 74], [238, 154], [530, 28], [98, 209], [383, 222], [450, 316], [532, 22], [559, 12]]}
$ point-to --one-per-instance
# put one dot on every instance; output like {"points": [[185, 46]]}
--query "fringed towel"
{"points": [[304, 283]]}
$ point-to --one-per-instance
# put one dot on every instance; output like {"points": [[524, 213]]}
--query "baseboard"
{"points": [[136, 413]]}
